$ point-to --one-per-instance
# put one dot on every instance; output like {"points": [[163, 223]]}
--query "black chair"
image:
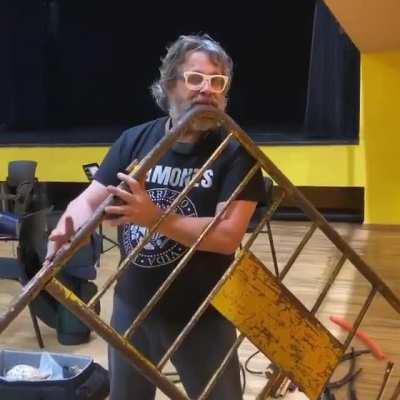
{"points": [[19, 185], [21, 170], [16, 196], [31, 234], [259, 213]]}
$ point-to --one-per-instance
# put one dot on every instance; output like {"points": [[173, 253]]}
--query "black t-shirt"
{"points": [[164, 182]]}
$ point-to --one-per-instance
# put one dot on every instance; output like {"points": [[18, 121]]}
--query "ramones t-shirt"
{"points": [[164, 182]]}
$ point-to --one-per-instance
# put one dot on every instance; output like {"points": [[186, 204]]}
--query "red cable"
{"points": [[370, 343]]}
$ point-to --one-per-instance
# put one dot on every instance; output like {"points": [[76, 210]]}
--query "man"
{"points": [[195, 70]]}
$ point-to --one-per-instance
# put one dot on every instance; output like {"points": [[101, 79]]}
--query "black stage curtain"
{"points": [[22, 66], [333, 96], [78, 72]]}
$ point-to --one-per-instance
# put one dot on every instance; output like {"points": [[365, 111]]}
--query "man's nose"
{"points": [[206, 87]]}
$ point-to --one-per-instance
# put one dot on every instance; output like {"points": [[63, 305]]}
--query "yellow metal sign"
{"points": [[275, 321]]}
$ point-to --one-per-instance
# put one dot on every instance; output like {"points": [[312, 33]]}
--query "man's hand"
{"points": [[138, 207], [58, 237]]}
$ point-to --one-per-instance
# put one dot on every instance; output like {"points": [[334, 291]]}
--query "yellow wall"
{"points": [[304, 165], [340, 166], [55, 164], [380, 125]]}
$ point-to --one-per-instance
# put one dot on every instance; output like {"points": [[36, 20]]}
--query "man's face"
{"points": [[181, 98]]}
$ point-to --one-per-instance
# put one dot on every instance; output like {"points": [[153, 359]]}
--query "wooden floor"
{"points": [[379, 246]]}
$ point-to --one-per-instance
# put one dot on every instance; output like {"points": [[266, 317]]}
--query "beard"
{"points": [[180, 107]]}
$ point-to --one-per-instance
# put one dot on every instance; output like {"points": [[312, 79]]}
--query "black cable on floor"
{"points": [[247, 363]]}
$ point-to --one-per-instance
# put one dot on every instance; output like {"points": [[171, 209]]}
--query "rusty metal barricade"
{"points": [[248, 294]]}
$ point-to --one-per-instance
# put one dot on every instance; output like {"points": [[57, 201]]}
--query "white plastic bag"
{"points": [[23, 372], [48, 366]]}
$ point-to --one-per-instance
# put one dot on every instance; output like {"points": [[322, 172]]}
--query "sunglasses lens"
{"points": [[194, 79], [218, 83]]}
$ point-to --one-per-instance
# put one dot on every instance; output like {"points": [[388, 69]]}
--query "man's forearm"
{"points": [[186, 230], [138, 208]]}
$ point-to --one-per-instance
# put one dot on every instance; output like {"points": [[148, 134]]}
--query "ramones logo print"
{"points": [[159, 250]]}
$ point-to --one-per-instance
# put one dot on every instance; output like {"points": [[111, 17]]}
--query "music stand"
{"points": [[90, 170]]}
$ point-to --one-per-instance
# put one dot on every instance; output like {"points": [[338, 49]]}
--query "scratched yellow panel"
{"points": [[275, 321]]}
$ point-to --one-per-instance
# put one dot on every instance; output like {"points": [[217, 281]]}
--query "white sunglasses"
{"points": [[195, 81]]}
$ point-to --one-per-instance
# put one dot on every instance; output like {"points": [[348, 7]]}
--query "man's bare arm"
{"points": [[77, 212], [223, 238]]}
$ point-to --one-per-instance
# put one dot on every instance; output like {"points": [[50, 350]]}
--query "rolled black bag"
{"points": [[77, 275], [70, 330]]}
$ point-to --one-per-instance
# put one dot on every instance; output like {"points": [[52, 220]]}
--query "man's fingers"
{"points": [[56, 235], [51, 250], [122, 194], [65, 234], [142, 182], [69, 226], [49, 256], [117, 210], [132, 183]]}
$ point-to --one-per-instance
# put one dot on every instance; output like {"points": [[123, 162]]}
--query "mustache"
{"points": [[206, 100]]}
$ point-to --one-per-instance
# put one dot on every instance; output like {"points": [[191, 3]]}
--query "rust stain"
{"points": [[275, 321]]}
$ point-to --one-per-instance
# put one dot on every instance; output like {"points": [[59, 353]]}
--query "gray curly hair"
{"points": [[175, 57]]}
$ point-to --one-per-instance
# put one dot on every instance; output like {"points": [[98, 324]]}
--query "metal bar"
{"points": [[273, 171], [48, 271], [326, 288], [36, 327], [134, 252], [199, 312], [272, 247], [359, 319], [89, 317], [167, 283], [196, 316], [388, 373], [297, 251], [270, 386], [281, 195], [320, 298], [212, 382], [396, 392], [360, 316], [328, 284], [39, 281]]}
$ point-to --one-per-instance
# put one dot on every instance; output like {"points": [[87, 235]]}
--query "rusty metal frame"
{"points": [[205, 117]]}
